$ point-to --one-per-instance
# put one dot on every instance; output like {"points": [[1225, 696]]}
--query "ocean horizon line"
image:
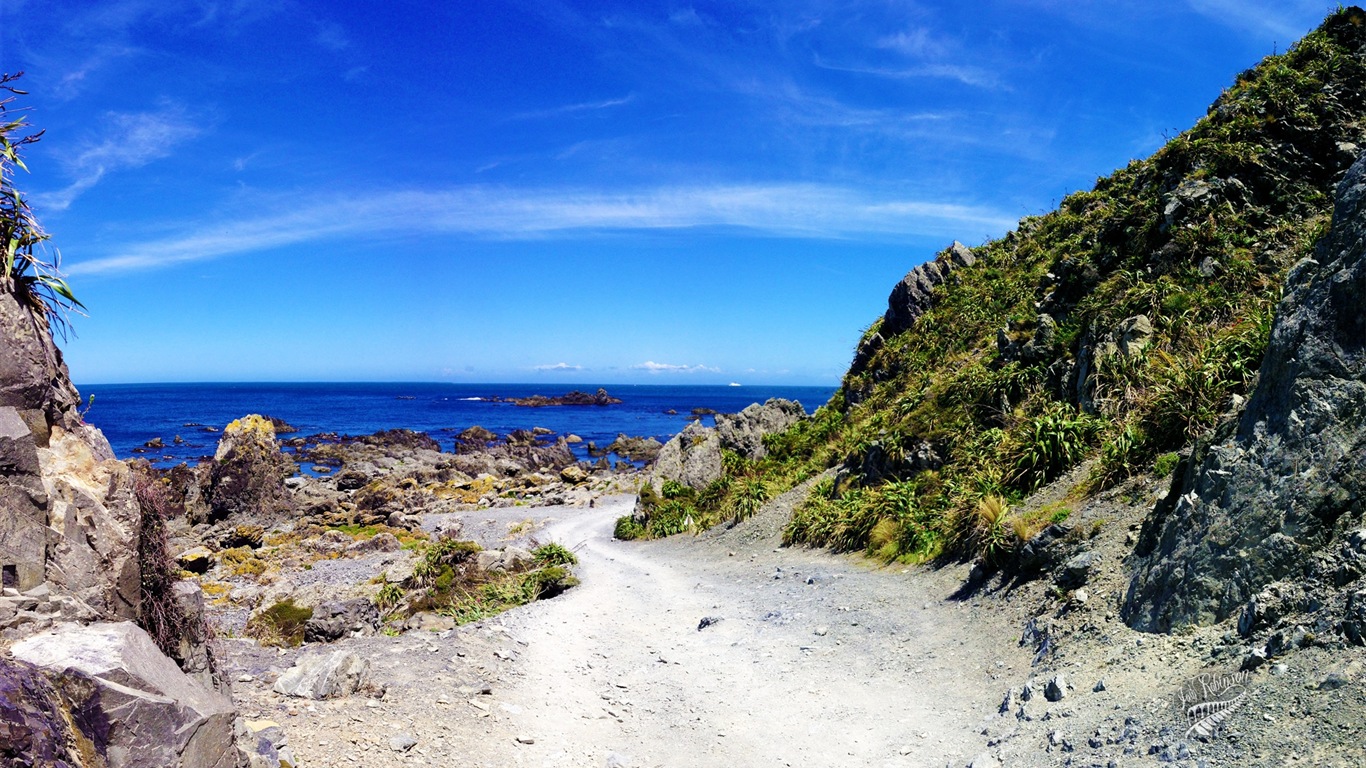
{"points": [[432, 382]]}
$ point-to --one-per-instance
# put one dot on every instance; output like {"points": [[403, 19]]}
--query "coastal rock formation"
{"points": [[140, 708], [78, 544], [635, 448], [248, 472], [693, 456], [574, 397], [1256, 506], [744, 432], [67, 515]]}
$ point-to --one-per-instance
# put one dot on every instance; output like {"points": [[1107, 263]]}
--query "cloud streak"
{"points": [[558, 367], [809, 211], [651, 367], [1283, 21], [569, 109], [128, 140]]}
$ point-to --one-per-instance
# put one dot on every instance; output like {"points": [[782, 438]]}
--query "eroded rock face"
{"points": [[744, 432], [33, 377], [67, 513], [95, 518], [148, 712], [1257, 505], [692, 457]]}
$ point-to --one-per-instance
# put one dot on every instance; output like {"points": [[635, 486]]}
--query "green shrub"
{"points": [[1052, 443], [281, 624], [553, 554], [627, 529], [1165, 464]]}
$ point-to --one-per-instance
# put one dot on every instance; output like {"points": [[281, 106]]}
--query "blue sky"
{"points": [[267, 190]]}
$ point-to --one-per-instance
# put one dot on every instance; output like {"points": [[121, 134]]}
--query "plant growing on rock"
{"points": [[26, 272], [165, 619]]}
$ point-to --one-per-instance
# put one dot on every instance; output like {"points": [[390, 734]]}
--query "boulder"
{"points": [[36, 727], [333, 620], [196, 560], [574, 475], [381, 542], [1264, 498], [1077, 570], [324, 676], [148, 712]]}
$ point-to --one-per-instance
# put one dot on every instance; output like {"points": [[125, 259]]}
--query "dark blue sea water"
{"points": [[132, 414]]}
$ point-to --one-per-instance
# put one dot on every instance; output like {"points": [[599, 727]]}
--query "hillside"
{"points": [[1110, 334]]}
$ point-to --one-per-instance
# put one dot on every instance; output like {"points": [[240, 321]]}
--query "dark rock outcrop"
{"points": [[574, 397], [36, 726], [335, 619], [636, 448], [1259, 504], [910, 299], [247, 476]]}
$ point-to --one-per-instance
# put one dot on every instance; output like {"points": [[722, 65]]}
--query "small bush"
{"points": [[553, 554], [627, 529], [884, 540], [169, 626], [993, 531], [1166, 464], [280, 624]]}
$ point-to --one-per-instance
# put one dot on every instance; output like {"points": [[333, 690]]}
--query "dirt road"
{"points": [[809, 660], [812, 660]]}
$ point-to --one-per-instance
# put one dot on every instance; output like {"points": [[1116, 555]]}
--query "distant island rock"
{"points": [[572, 398]]}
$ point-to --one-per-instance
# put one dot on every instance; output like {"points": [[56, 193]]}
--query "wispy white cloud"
{"points": [[967, 75], [651, 367], [1283, 20], [783, 210], [331, 36], [126, 140], [917, 41], [558, 367], [569, 109]]}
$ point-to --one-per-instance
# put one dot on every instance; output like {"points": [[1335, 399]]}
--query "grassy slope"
{"points": [[1197, 238]]}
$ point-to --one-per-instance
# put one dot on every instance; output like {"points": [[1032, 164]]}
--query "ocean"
{"points": [[130, 415]]}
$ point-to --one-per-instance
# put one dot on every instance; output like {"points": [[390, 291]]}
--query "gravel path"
{"points": [[812, 660]]}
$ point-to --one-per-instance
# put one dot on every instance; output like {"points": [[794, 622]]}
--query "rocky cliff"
{"points": [[67, 513], [91, 688], [1273, 505]]}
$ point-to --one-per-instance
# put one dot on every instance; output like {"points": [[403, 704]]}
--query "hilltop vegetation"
{"points": [[1109, 333]]}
